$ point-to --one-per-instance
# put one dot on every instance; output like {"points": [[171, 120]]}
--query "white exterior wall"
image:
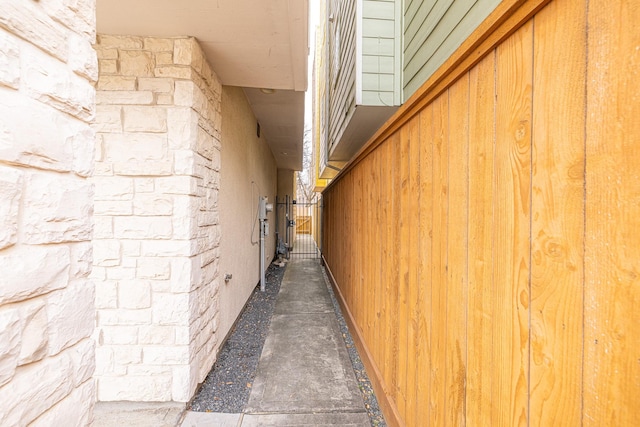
{"points": [[47, 70], [248, 170], [157, 229]]}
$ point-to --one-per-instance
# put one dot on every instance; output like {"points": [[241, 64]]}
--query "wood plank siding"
{"points": [[433, 30], [485, 243]]}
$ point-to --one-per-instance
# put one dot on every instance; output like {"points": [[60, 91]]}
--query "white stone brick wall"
{"points": [[156, 218], [47, 100]]}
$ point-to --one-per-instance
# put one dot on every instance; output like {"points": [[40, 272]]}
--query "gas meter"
{"points": [[264, 208]]}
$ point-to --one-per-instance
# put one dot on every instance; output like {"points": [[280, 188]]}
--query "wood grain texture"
{"points": [[514, 70], [425, 234], [386, 171], [379, 208], [439, 259], [412, 324], [396, 350], [355, 298], [457, 238], [557, 234], [403, 279], [480, 229], [612, 250], [367, 288]]}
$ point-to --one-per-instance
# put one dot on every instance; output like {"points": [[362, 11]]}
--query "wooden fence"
{"points": [[303, 224], [485, 244]]}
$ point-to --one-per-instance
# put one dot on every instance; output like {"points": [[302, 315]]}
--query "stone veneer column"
{"points": [[156, 220], [47, 100]]}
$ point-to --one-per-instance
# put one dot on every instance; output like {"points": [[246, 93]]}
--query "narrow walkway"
{"points": [[304, 375], [305, 247]]}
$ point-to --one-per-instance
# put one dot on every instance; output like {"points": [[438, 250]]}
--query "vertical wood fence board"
{"points": [[333, 219], [403, 283], [481, 195], [340, 223], [458, 163], [365, 254], [354, 244], [557, 235], [414, 210], [612, 274], [386, 343], [438, 273], [347, 249], [425, 233], [357, 299], [397, 352], [514, 63], [371, 284], [379, 206], [354, 297]]}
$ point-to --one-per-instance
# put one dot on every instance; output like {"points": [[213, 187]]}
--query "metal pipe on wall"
{"points": [[263, 209]]}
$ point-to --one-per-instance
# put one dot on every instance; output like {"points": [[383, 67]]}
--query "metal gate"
{"points": [[299, 227]]}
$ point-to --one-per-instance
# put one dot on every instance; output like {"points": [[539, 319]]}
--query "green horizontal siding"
{"points": [[433, 31], [379, 51], [378, 10], [378, 46], [342, 67], [381, 82], [378, 64], [378, 98], [378, 28]]}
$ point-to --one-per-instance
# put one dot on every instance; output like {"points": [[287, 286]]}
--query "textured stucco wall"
{"points": [[248, 170], [157, 231], [47, 100]]}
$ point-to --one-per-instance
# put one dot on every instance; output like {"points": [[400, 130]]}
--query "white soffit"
{"points": [[249, 43]]}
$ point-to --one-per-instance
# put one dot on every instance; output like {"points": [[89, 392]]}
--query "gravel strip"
{"points": [[226, 389], [369, 397]]}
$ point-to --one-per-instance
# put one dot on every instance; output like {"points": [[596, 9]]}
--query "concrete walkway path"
{"points": [[305, 377]]}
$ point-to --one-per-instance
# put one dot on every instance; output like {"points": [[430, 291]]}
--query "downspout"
{"points": [[262, 280]]}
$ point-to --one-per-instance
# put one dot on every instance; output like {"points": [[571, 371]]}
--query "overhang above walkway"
{"points": [[252, 44]]}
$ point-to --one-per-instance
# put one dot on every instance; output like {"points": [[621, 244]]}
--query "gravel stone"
{"points": [[226, 389]]}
